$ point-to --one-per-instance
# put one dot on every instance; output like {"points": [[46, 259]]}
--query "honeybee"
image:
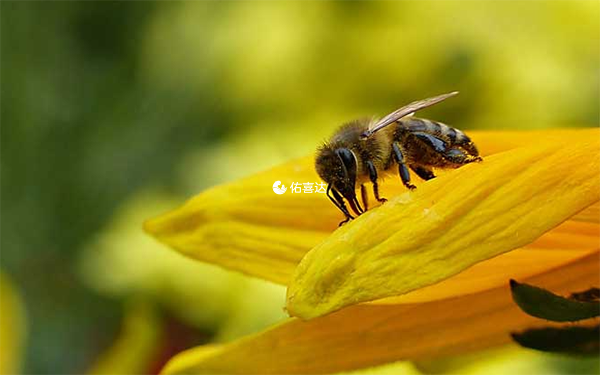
{"points": [[364, 150]]}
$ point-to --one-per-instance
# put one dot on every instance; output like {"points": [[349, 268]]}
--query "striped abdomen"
{"points": [[452, 136]]}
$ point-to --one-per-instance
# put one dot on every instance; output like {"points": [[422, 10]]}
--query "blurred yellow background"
{"points": [[113, 112]]}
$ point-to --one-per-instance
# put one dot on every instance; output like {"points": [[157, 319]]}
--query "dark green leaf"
{"points": [[543, 304], [571, 340]]}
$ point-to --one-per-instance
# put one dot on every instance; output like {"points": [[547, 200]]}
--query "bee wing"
{"points": [[407, 110]]}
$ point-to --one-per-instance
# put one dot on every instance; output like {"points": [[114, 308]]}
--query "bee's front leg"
{"points": [[338, 200], [348, 218]]}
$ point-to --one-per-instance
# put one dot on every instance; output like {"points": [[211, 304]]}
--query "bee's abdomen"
{"points": [[448, 133]]}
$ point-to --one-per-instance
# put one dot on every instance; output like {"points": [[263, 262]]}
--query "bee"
{"points": [[365, 150]]}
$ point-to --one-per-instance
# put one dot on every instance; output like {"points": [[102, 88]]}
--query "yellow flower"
{"points": [[13, 327], [435, 262], [136, 346]]}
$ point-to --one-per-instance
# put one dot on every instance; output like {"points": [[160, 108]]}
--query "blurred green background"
{"points": [[113, 112]]}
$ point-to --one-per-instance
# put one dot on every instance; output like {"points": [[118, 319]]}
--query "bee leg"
{"points": [[435, 143], [466, 144], [363, 193], [422, 172], [402, 168], [373, 178], [339, 203], [457, 156], [347, 219], [342, 206], [355, 205]]}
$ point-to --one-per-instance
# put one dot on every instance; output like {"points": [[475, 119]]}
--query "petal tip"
{"points": [[149, 226], [183, 219]]}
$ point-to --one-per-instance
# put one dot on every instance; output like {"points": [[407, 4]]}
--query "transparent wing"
{"points": [[407, 110]]}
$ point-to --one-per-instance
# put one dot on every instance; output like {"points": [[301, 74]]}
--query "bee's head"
{"points": [[337, 166]]}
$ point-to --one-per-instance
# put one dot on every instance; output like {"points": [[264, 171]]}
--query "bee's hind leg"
{"points": [[402, 168], [424, 173], [373, 178], [457, 156]]}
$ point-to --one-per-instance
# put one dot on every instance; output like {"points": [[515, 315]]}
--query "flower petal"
{"points": [[563, 244], [245, 227], [13, 327], [137, 345], [368, 335], [448, 224]]}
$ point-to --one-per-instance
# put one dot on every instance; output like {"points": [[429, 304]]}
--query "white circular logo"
{"points": [[279, 190]]}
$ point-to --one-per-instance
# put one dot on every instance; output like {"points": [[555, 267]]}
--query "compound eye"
{"points": [[349, 164]]}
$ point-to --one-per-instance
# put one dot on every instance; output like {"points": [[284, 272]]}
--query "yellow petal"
{"points": [[367, 335], [137, 345], [187, 359], [521, 263], [245, 227], [446, 225], [12, 327], [564, 244]]}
